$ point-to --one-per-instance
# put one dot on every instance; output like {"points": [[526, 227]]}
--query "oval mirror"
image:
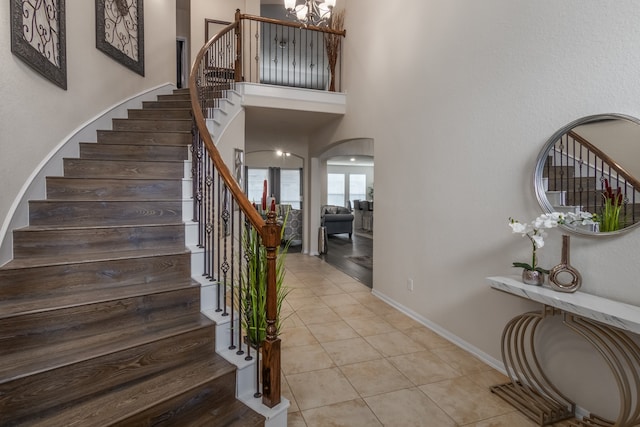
{"points": [[593, 165]]}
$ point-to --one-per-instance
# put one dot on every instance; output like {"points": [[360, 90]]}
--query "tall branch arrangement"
{"points": [[332, 43]]}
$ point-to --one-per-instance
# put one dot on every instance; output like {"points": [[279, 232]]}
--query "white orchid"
{"points": [[536, 234]]}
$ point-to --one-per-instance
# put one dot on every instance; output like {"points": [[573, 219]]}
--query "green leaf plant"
{"points": [[253, 283]]}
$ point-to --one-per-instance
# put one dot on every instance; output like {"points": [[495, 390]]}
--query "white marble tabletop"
{"points": [[614, 313]]}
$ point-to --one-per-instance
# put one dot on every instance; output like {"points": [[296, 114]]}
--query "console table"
{"points": [[602, 322]]}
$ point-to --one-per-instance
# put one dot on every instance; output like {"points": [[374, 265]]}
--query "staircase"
{"points": [[100, 321]]}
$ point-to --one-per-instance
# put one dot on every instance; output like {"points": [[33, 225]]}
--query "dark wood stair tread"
{"points": [[74, 188], [58, 300], [59, 354], [118, 405], [104, 212], [60, 259]]}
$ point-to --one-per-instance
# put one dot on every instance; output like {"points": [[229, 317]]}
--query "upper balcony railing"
{"points": [[255, 49], [289, 54]]}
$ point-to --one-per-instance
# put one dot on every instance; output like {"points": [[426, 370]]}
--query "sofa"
{"points": [[337, 219]]}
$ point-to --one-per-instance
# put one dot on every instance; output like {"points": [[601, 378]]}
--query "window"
{"points": [[290, 187], [255, 184], [289, 181], [357, 187], [335, 189]]}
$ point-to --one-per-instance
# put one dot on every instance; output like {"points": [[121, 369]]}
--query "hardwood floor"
{"points": [[340, 248]]}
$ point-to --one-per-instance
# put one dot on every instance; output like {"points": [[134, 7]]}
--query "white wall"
{"points": [[466, 94], [36, 115], [221, 10]]}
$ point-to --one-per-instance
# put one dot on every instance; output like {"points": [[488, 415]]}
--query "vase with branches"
{"points": [[332, 44]]}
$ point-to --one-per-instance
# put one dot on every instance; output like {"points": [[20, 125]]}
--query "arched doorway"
{"points": [[347, 176]]}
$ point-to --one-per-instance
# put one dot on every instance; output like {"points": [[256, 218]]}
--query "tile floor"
{"points": [[349, 359]]}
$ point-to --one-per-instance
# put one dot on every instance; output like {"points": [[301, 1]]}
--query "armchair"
{"points": [[337, 219]]}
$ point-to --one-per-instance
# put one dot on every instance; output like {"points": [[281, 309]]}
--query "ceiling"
{"points": [[292, 121]]}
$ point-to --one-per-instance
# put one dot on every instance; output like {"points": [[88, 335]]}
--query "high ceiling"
{"points": [[290, 121]]}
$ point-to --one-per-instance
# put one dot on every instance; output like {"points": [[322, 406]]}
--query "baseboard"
{"points": [[454, 339]]}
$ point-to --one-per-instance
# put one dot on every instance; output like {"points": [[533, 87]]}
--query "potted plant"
{"points": [[253, 283], [532, 274], [610, 220]]}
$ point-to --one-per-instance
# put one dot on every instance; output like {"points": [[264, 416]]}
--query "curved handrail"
{"points": [[268, 231], [630, 179], [245, 205]]}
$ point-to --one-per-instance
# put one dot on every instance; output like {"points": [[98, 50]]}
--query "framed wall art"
{"points": [[238, 166], [120, 31], [38, 37], [213, 27]]}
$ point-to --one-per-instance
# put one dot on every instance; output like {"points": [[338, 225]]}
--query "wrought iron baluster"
{"points": [[224, 238]]}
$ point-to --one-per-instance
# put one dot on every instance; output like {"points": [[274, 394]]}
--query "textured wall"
{"points": [[459, 97], [35, 115]]}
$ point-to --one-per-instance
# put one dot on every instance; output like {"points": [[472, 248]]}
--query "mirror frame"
{"points": [[540, 162]]}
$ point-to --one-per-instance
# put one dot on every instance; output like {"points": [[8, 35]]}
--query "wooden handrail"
{"points": [[245, 205], [269, 230], [630, 179]]}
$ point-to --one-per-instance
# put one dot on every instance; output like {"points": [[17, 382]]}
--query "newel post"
{"points": [[271, 345], [238, 62]]}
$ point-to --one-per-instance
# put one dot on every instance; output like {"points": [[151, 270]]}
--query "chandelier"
{"points": [[310, 12]]}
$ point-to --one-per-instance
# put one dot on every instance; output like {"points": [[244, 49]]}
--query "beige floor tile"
{"points": [[310, 276], [354, 413], [367, 326], [317, 315], [461, 360], [332, 331], [326, 289], [350, 351], [286, 393], [427, 338], [375, 377], [300, 292], [489, 378], [465, 401], [353, 286], [305, 302], [408, 407], [337, 276], [379, 307], [337, 300], [294, 419], [320, 388], [365, 298], [393, 344], [423, 367], [305, 358], [401, 321], [294, 337], [351, 311], [291, 320], [512, 419]]}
